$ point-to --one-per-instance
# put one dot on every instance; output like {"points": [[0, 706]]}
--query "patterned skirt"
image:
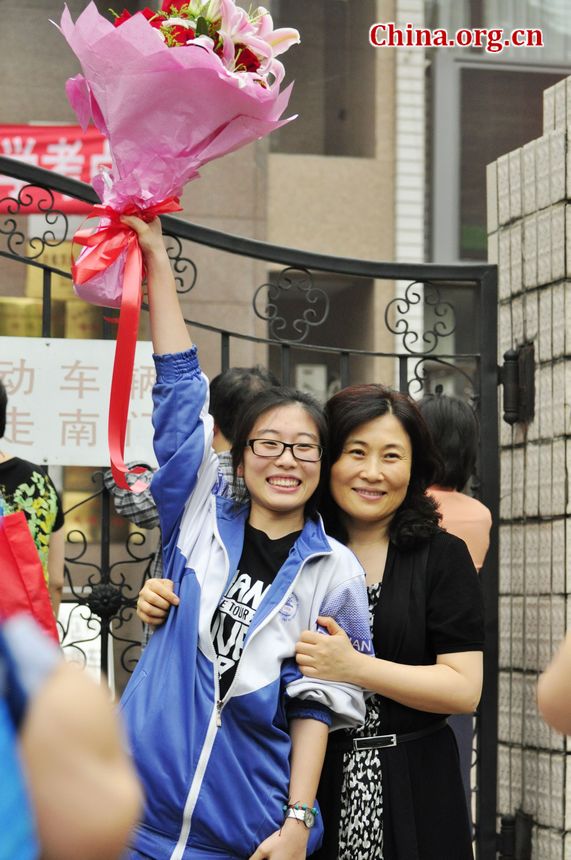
{"points": [[361, 822]]}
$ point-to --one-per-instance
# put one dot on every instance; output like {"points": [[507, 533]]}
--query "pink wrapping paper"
{"points": [[166, 112]]}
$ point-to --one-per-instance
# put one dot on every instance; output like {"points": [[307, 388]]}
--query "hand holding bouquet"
{"points": [[171, 89]]}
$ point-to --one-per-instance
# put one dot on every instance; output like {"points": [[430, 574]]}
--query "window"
{"points": [[481, 110], [335, 115]]}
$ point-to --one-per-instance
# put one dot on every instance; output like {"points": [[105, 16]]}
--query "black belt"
{"points": [[383, 741]]}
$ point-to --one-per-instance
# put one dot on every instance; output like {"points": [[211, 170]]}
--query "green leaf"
{"points": [[201, 26]]}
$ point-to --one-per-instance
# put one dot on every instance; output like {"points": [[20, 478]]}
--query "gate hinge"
{"points": [[513, 842], [517, 376], [505, 839]]}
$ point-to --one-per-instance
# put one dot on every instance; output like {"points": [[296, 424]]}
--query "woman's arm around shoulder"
{"points": [[452, 684], [342, 607]]}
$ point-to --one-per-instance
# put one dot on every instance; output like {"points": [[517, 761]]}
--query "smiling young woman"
{"points": [[242, 732], [279, 457]]}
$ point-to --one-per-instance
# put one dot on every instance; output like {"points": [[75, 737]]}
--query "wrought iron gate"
{"points": [[103, 579]]}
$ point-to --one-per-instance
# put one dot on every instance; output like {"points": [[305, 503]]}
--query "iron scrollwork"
{"points": [[416, 383], [38, 200], [414, 342], [105, 604], [104, 595], [184, 269], [300, 282], [105, 599]]}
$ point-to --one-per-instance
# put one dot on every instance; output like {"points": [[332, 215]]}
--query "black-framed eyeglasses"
{"points": [[305, 451]]}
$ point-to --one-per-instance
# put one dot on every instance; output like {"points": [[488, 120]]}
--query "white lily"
{"points": [[257, 34], [279, 40], [180, 22]]}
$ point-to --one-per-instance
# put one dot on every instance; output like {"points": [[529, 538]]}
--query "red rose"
{"points": [[151, 15], [180, 35], [169, 5], [245, 59], [120, 19], [154, 19]]}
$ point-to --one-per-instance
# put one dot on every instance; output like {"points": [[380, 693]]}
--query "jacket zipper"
{"points": [[214, 655]]}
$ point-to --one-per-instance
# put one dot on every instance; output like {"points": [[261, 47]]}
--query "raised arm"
{"points": [[183, 428], [168, 328]]}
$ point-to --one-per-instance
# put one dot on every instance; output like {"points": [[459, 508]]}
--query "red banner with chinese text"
{"points": [[65, 149]]}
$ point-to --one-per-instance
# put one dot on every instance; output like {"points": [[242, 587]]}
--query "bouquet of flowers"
{"points": [[171, 89]]}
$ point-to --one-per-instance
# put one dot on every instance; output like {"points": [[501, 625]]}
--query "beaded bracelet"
{"points": [[302, 806]]}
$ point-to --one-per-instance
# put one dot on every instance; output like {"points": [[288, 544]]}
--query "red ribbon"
{"points": [[108, 243]]}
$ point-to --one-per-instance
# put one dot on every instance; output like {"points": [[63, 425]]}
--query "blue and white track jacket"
{"points": [[216, 774]]}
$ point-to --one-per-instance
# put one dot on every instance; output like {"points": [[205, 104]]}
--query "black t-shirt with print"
{"points": [[28, 488], [260, 561]]}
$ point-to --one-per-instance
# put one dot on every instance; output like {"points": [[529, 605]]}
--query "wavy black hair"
{"points": [[273, 398], [454, 428], [417, 517]]}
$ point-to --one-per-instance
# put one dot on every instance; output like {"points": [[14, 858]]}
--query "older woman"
{"points": [[393, 789]]}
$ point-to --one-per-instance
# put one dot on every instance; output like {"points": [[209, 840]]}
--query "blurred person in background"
{"points": [[26, 487], [67, 788], [454, 429]]}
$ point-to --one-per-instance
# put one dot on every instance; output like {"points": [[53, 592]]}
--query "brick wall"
{"points": [[529, 225]]}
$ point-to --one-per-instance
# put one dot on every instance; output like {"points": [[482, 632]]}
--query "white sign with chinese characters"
{"points": [[58, 400]]}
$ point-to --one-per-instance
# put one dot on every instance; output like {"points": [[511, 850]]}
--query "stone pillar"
{"points": [[529, 215]]}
